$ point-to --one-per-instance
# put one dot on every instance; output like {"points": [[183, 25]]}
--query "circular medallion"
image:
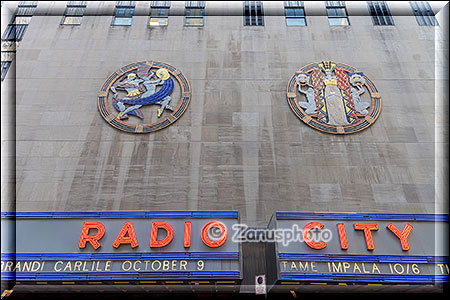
{"points": [[333, 97], [143, 97]]}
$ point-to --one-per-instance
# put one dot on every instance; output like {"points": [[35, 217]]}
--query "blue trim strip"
{"points": [[359, 216], [118, 256], [122, 214], [365, 278], [120, 275], [364, 258]]}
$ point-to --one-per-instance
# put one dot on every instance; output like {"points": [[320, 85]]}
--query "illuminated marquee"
{"points": [[127, 235], [362, 248], [106, 246]]}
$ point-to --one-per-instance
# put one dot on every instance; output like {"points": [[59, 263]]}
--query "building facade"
{"points": [[237, 146]]}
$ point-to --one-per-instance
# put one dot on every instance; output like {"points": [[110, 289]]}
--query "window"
{"points": [[5, 68], [194, 14], [159, 13], [14, 32], [9, 45], [25, 10], [27, 3], [424, 14], [123, 16], [8, 55], [253, 13], [295, 13], [21, 20], [74, 13], [337, 13], [381, 16], [23, 13]]}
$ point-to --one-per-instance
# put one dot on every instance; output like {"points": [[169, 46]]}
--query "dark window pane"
{"points": [[289, 12], [380, 13], [124, 12], [253, 13], [259, 20], [295, 12], [336, 12]]}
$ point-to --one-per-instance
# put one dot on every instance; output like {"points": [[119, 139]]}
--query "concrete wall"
{"points": [[238, 146]]}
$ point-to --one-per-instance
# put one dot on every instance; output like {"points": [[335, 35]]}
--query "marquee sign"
{"points": [[104, 246], [364, 248], [143, 97], [201, 246], [334, 97]]}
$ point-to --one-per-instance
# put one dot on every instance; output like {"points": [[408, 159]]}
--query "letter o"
{"points": [[123, 265], [223, 237], [159, 267]]}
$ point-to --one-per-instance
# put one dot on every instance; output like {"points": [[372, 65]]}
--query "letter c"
{"points": [[307, 239]]}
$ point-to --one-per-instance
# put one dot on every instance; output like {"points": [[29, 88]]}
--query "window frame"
{"points": [[74, 9], [255, 18], [288, 5], [124, 6], [158, 5], [159, 17], [424, 15], [197, 5], [377, 14], [24, 11], [10, 33], [5, 66], [337, 6]]}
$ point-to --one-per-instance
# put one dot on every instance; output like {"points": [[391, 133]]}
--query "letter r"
{"points": [[91, 238]]}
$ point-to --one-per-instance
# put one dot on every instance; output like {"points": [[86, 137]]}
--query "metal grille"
{"points": [[253, 13], [381, 15], [27, 3], [74, 11], [334, 4], [125, 3], [25, 10], [14, 32], [163, 4], [195, 4], [76, 3], [293, 3], [424, 14]]}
